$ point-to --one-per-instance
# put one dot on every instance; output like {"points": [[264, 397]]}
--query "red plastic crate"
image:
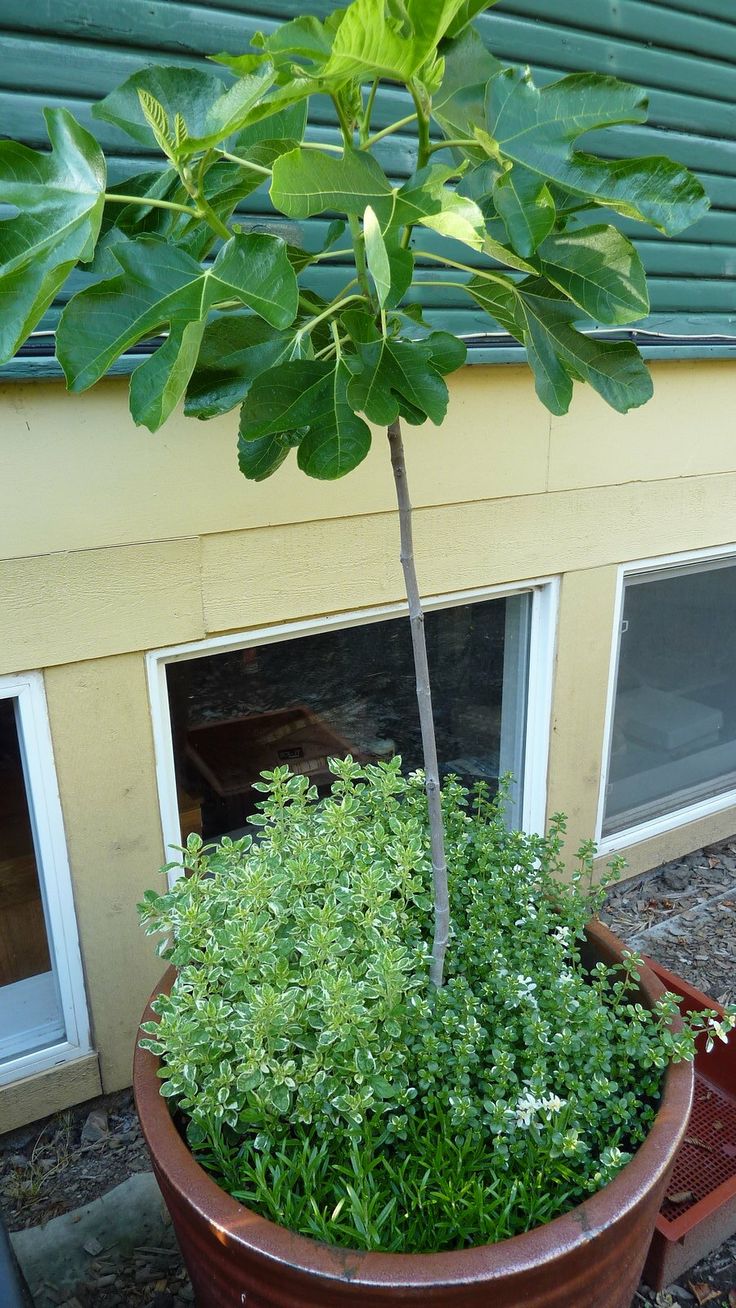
{"points": [[705, 1167]]}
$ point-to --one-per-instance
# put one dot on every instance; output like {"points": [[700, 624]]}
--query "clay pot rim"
{"points": [[276, 1245]]}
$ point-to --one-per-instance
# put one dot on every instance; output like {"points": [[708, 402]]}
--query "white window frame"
{"points": [[542, 643], [44, 806], [639, 832]]}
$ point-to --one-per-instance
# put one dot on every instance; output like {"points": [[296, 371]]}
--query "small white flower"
{"points": [[554, 1104]]}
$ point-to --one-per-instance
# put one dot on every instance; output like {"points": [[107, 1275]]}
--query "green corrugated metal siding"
{"points": [[72, 52]]}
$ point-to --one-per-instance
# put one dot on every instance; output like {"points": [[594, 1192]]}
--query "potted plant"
{"points": [[420, 1073]]}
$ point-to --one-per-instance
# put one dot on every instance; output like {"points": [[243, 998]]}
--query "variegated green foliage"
{"points": [[320, 1083], [168, 259]]}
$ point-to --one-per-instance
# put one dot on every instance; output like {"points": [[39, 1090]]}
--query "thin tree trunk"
{"points": [[426, 718]]}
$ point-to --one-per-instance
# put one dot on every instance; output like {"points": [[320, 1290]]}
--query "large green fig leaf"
{"points": [[538, 129], [258, 458], [160, 285], [393, 377], [305, 403], [459, 104], [468, 10], [235, 349], [210, 110], [157, 386], [526, 207], [285, 399], [371, 41], [340, 440], [425, 199], [537, 315], [60, 197], [599, 270], [306, 182]]}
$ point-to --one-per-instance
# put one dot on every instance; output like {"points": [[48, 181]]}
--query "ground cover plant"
{"points": [[408, 1060]]}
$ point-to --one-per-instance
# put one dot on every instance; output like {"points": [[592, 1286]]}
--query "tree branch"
{"points": [[426, 719]]}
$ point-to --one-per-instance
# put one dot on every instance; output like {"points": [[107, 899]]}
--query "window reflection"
{"points": [[301, 700], [674, 728]]}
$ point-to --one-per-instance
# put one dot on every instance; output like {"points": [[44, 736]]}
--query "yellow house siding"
{"points": [[259, 577], [584, 635], [114, 542], [98, 480], [103, 746], [59, 608], [685, 431]]}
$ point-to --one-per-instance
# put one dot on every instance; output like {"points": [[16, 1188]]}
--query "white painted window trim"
{"points": [[53, 868], [545, 598], [635, 835]]}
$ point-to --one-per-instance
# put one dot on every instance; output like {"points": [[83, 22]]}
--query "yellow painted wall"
{"points": [[113, 542]]}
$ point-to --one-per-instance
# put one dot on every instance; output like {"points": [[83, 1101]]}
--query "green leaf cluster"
{"points": [[501, 168], [323, 1083]]}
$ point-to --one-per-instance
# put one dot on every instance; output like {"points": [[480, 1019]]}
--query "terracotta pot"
{"points": [[590, 1258]]}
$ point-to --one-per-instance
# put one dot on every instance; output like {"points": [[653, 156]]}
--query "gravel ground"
{"points": [[683, 914]]}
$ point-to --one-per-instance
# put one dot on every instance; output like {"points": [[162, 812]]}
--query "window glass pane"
{"points": [[674, 727], [30, 1013], [298, 701]]}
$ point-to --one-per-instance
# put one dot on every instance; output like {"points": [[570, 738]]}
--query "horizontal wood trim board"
{"points": [[72, 52]]}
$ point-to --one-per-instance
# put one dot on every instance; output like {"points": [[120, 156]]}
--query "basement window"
{"points": [[43, 1016], [299, 700], [673, 733]]}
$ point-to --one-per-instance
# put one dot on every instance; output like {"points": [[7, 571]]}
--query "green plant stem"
{"points": [[353, 223], [462, 267], [386, 131], [211, 217], [423, 150], [365, 125], [336, 338], [114, 198], [245, 163], [327, 313], [329, 254], [446, 145], [426, 716], [345, 126], [320, 145], [328, 349], [425, 145]]}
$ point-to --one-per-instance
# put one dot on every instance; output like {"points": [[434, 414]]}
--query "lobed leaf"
{"points": [[599, 270], [303, 402], [525, 205], [60, 197], [210, 110], [537, 128], [372, 41], [307, 182], [337, 443], [396, 377], [235, 350], [159, 285], [542, 319]]}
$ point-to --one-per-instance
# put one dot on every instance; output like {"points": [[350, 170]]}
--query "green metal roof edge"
{"points": [[23, 369]]}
